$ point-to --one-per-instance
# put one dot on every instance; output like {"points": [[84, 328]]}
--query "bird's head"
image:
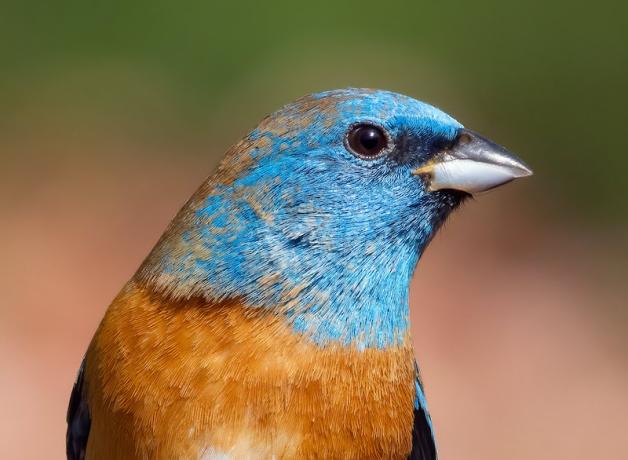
{"points": [[322, 212]]}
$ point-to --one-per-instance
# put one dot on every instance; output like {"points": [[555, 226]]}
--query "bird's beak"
{"points": [[473, 165]]}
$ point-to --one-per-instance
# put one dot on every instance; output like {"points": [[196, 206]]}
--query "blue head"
{"points": [[319, 215]]}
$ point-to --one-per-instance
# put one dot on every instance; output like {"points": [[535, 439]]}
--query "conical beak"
{"points": [[473, 165]]}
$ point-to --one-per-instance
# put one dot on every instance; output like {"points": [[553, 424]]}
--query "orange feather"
{"points": [[182, 379]]}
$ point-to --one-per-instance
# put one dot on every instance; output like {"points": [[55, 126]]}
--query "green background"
{"points": [[547, 79]]}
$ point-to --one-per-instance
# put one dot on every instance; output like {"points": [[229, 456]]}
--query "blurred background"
{"points": [[112, 113]]}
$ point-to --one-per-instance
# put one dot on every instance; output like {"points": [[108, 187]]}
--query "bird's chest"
{"points": [[243, 388], [334, 407]]}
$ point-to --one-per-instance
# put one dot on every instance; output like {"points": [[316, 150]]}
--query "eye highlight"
{"points": [[367, 140]]}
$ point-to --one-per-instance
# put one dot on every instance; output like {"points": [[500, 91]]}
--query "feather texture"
{"points": [[271, 319], [176, 379]]}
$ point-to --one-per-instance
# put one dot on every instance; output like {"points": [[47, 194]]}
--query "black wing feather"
{"points": [[423, 444], [78, 419]]}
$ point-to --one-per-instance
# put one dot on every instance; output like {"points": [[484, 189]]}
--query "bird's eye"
{"points": [[366, 140]]}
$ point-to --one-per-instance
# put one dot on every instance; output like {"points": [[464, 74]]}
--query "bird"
{"points": [[271, 319]]}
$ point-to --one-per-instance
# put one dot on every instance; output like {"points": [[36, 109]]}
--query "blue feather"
{"points": [[309, 230]]}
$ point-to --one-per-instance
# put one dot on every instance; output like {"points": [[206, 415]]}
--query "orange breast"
{"points": [[184, 380]]}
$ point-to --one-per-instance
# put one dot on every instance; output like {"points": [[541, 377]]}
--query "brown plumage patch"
{"points": [[294, 117], [239, 159], [178, 380]]}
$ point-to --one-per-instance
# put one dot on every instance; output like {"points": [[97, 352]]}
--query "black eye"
{"points": [[366, 140]]}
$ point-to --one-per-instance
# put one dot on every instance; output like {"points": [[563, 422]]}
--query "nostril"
{"points": [[464, 139]]}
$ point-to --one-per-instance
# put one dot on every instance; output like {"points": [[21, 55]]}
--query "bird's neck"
{"points": [[331, 288]]}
